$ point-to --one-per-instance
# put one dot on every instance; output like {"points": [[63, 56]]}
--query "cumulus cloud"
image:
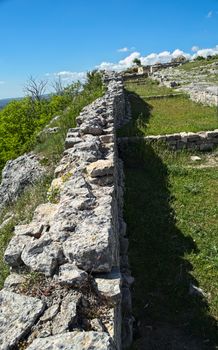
{"points": [[206, 52], [162, 57]]}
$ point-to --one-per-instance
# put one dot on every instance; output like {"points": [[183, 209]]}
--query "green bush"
{"points": [[21, 121]]}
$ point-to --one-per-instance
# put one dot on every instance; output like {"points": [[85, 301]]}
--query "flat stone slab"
{"points": [[74, 341], [18, 313], [101, 168], [109, 285]]}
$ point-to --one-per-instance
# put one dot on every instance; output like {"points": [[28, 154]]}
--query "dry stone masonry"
{"points": [[201, 141], [69, 286]]}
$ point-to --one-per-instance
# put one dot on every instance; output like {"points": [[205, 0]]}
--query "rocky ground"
{"points": [[200, 82]]}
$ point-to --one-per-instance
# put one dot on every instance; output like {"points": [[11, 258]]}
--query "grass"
{"points": [[171, 213], [196, 64], [167, 115], [148, 88]]}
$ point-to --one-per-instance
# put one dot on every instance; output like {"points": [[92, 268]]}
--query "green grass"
{"points": [[148, 88], [195, 64], [171, 213], [168, 115]]}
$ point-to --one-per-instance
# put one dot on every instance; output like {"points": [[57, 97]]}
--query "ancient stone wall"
{"points": [[69, 281], [201, 141], [203, 93]]}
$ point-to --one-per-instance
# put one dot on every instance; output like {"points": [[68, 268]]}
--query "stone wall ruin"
{"points": [[69, 277]]}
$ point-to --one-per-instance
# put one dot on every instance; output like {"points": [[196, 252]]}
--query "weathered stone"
{"points": [[93, 129], [206, 147], [42, 255], [70, 275], [92, 245], [100, 168], [74, 341], [50, 313], [14, 280], [17, 175], [14, 250], [71, 141], [17, 316], [67, 315], [109, 138], [97, 325], [109, 285]]}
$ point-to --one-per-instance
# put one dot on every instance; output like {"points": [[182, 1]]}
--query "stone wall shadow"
{"points": [[169, 314], [140, 115]]}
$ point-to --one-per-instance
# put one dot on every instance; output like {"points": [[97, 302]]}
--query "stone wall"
{"points": [[203, 93], [70, 281], [201, 141]]}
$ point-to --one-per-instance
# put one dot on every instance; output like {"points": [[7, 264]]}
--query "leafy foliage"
{"points": [[21, 121]]}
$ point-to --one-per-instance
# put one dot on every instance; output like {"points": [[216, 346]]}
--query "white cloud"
{"points": [[126, 49], [68, 75], [206, 52], [123, 49], [162, 57], [210, 14], [195, 48]]}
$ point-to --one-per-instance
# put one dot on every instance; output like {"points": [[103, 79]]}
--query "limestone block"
{"points": [[100, 168], [42, 255], [14, 250], [92, 245], [74, 341], [109, 285], [70, 275], [18, 314], [67, 315]]}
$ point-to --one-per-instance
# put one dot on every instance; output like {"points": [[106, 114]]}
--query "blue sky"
{"points": [[66, 36]]}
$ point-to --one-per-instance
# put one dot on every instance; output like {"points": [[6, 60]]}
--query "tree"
{"points": [[200, 58], [137, 61], [35, 89], [58, 86]]}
